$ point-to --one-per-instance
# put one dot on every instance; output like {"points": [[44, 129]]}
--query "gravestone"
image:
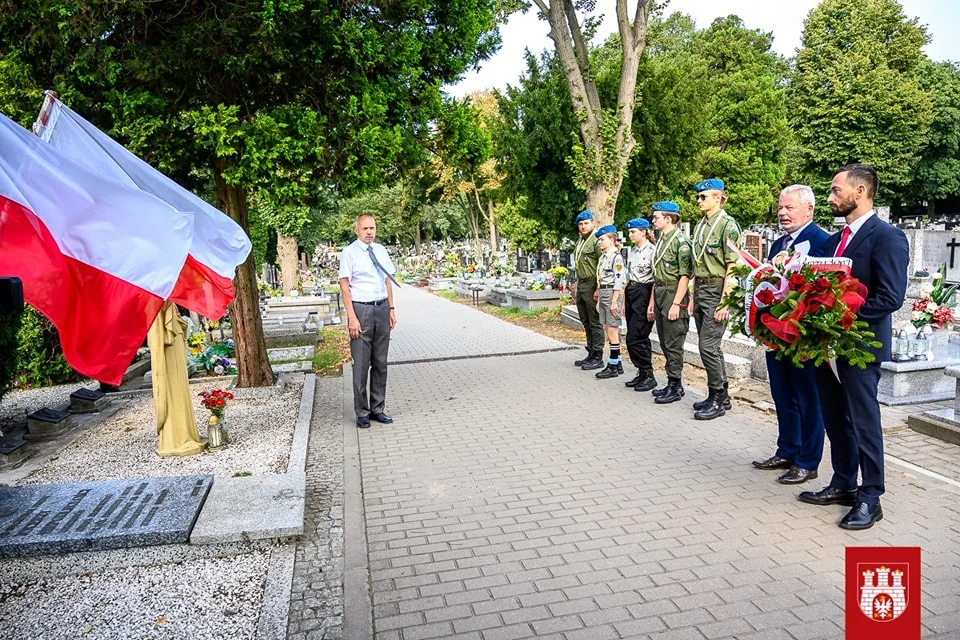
{"points": [[545, 262], [565, 259], [12, 451], [753, 244], [93, 516], [47, 423], [523, 264], [85, 400]]}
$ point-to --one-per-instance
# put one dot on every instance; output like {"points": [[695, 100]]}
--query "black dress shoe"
{"points": [[773, 462], [363, 422], [829, 495], [610, 372], [382, 418], [797, 475], [633, 381], [595, 362], [862, 516]]}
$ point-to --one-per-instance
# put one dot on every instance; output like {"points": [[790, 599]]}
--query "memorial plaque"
{"points": [[47, 422], [753, 244], [12, 451], [565, 259], [93, 516], [523, 264], [85, 400]]}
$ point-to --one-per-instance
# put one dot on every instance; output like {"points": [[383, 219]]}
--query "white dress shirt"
{"points": [[366, 281]]}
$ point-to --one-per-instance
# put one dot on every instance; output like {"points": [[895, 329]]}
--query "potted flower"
{"points": [[216, 402]]}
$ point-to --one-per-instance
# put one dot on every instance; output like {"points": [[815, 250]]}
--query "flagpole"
{"points": [[49, 97]]}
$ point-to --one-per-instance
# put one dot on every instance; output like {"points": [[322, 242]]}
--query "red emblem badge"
{"points": [[883, 593]]}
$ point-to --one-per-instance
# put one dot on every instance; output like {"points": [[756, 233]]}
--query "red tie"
{"points": [[844, 236]]}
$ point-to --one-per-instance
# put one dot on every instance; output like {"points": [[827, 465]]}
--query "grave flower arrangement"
{"points": [[804, 309], [935, 308], [216, 401], [195, 342]]}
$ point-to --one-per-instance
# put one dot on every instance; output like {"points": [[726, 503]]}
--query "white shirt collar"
{"points": [[796, 234], [859, 222]]}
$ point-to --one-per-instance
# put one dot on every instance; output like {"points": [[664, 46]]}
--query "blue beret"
{"points": [[637, 223], [584, 215], [605, 229], [709, 183], [666, 205]]}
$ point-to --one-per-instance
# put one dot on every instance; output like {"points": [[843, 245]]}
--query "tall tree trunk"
{"points": [[287, 255], [253, 365], [492, 219], [416, 240]]}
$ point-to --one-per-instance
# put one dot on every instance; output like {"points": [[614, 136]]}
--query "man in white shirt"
{"points": [[366, 277]]}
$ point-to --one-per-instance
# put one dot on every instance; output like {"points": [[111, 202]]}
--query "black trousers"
{"points": [[589, 317], [638, 327]]}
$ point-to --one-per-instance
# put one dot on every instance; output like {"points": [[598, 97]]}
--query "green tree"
{"points": [[748, 117], [936, 175], [601, 156], [856, 95]]}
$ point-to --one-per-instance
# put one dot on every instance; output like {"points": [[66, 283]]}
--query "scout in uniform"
{"points": [[639, 303], [586, 255], [712, 258], [672, 268], [611, 278]]}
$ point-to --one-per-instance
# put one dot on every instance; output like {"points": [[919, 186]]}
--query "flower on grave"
{"points": [[216, 401], [931, 307], [218, 369]]}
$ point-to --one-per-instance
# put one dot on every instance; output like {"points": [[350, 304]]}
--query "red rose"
{"points": [[847, 320], [822, 284], [797, 281], [765, 296]]}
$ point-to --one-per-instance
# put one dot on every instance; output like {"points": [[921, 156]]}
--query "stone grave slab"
{"points": [[47, 423], [93, 516], [85, 400], [12, 451]]}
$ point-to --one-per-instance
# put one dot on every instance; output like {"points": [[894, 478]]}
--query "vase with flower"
{"points": [[216, 402], [933, 314]]}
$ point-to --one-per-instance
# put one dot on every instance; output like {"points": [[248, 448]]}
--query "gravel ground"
{"points": [[215, 598], [261, 424], [17, 403]]}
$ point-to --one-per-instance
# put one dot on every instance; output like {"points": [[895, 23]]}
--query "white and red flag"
{"points": [[96, 257], [219, 244]]}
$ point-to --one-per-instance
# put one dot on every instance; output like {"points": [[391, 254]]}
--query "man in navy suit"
{"points": [[794, 390], [848, 399]]}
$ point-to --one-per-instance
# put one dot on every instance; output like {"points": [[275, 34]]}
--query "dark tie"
{"points": [[379, 266]]}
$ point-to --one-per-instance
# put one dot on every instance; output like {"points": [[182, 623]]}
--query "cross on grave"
{"points": [[953, 244]]}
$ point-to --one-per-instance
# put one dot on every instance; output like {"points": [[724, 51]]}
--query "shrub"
{"points": [[39, 360], [9, 325]]}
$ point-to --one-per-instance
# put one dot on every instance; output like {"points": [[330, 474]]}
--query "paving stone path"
{"points": [[519, 497]]}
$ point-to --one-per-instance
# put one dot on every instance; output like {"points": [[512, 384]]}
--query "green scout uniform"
{"points": [[712, 254], [672, 259], [586, 255]]}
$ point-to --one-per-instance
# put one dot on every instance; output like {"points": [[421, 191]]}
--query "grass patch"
{"points": [[509, 313], [447, 293], [332, 351]]}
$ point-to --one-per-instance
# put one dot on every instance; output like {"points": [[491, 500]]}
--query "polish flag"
{"points": [[219, 244], [95, 257]]}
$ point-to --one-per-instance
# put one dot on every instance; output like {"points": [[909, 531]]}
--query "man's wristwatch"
{"points": [[392, 308]]}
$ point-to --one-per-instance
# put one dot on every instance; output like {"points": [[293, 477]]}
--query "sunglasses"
{"points": [[702, 196]]}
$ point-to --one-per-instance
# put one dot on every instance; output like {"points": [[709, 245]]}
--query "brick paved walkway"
{"points": [[519, 497]]}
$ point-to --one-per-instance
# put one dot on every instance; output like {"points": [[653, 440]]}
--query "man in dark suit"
{"points": [[848, 398], [794, 390]]}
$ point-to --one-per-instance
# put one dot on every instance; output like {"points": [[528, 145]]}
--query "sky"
{"points": [[784, 19]]}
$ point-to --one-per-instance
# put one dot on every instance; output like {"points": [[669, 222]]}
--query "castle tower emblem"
{"points": [[883, 594]]}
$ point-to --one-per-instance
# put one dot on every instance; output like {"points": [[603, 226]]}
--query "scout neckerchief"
{"points": [[700, 239], [578, 251], [662, 246]]}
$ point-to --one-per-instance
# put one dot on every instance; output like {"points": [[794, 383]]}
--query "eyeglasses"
{"points": [[656, 216], [702, 196]]}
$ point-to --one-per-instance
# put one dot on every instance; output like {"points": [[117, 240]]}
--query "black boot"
{"points": [[725, 397], [595, 361], [635, 380], [581, 361], [612, 371], [647, 381], [673, 392], [713, 407]]}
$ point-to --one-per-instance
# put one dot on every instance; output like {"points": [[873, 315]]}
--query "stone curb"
{"points": [[357, 604]]}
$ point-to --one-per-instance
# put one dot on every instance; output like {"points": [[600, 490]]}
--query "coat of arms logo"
{"points": [[883, 591]]}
